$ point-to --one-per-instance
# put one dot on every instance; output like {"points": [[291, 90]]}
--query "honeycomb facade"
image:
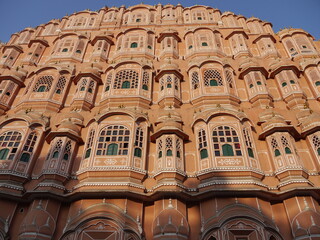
{"points": [[159, 122]]}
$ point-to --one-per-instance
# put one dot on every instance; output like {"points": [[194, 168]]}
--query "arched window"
{"points": [[113, 140], [134, 45], [169, 153], [112, 149], [292, 82], [259, 83], [9, 144], [204, 44], [283, 84], [214, 76], [277, 153], [127, 75], [41, 88], [137, 152], [203, 153], [213, 82], [227, 150], [317, 83], [25, 157], [125, 84], [226, 142], [250, 152], [287, 150], [4, 153]]}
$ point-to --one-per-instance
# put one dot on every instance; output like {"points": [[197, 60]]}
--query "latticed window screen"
{"points": [[61, 84], [229, 79], [176, 83], [29, 147], [212, 78], [44, 81], [124, 76], [203, 144], [89, 143], [286, 145], [178, 148], [67, 151], [83, 84], [145, 81], [138, 142], [316, 144], [169, 82], [275, 147], [9, 144], [169, 146], [91, 86], [160, 148], [226, 141], [56, 149], [113, 140], [195, 80]]}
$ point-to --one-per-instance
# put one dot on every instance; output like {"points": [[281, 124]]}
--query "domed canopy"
{"points": [[170, 222]]}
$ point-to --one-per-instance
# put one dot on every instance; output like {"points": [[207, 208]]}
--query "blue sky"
{"points": [[16, 15]]}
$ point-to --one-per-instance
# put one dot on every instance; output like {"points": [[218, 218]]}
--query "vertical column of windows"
{"points": [[67, 151], [203, 144], [195, 80], [28, 147], [248, 142], [108, 82], [89, 143], [60, 85], [145, 81], [138, 142]]}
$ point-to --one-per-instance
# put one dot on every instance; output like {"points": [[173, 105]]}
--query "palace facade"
{"points": [[159, 122]]}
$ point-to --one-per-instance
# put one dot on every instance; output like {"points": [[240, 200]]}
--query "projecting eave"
{"points": [[289, 128], [135, 115], [33, 120], [41, 41], [208, 114], [248, 69], [14, 46], [107, 38], [237, 32], [265, 35]]}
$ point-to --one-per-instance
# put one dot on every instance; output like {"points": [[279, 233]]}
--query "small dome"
{"points": [[38, 221], [171, 221], [68, 126]]}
